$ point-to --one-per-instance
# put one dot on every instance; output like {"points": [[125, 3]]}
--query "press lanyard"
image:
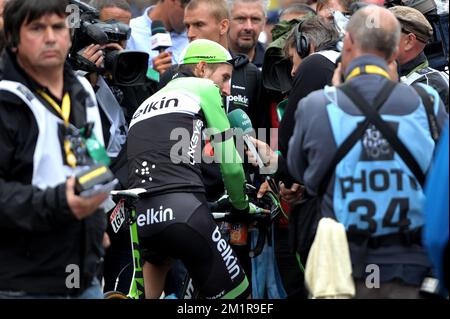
{"points": [[64, 112], [367, 69]]}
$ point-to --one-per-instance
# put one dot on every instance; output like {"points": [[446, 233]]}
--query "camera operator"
{"points": [[314, 41], [113, 10], [91, 61], [50, 237]]}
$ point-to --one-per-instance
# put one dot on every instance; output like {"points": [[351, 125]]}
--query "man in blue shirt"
{"points": [[171, 13]]}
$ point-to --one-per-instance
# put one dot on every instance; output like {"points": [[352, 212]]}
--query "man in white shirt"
{"points": [[171, 13]]}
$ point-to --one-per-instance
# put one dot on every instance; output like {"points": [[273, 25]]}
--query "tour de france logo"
{"points": [[375, 146]]}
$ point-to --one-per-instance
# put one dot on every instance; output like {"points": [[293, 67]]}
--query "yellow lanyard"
{"points": [[64, 112], [367, 69]]}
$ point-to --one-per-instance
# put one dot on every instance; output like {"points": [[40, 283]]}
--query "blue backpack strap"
{"points": [[353, 138], [374, 117]]}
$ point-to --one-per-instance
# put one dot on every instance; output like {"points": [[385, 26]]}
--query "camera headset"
{"points": [[302, 43]]}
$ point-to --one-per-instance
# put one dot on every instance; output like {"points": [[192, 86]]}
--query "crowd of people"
{"points": [[350, 101]]}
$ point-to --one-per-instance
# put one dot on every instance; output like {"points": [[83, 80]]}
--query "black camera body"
{"points": [[125, 67]]}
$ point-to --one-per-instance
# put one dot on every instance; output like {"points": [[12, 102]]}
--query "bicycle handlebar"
{"points": [[221, 211]]}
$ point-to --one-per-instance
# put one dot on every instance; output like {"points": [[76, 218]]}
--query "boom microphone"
{"points": [[239, 119]]}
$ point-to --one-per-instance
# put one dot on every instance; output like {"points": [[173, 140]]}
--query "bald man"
{"points": [[370, 190]]}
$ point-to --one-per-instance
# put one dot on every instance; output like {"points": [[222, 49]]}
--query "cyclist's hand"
{"points": [[250, 209], [221, 205], [82, 207]]}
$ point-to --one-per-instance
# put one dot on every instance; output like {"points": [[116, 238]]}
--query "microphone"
{"points": [[160, 39], [239, 119]]}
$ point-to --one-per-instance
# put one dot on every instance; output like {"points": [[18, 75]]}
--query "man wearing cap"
{"points": [[164, 153], [414, 68]]}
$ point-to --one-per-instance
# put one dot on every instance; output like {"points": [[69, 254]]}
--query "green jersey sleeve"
{"points": [[224, 151]]}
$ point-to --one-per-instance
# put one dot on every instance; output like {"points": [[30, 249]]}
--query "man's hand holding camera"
{"points": [[95, 52], [82, 207]]}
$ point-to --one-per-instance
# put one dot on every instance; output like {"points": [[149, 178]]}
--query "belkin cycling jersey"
{"points": [[164, 143], [164, 153]]}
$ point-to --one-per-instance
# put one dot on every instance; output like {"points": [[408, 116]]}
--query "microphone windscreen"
{"points": [[239, 119], [158, 27]]}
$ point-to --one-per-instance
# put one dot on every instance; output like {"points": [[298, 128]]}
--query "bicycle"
{"points": [[268, 208], [125, 213]]}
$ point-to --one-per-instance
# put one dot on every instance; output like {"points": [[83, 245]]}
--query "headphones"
{"points": [[301, 41]]}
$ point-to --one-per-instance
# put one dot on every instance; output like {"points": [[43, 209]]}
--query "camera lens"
{"points": [[127, 67]]}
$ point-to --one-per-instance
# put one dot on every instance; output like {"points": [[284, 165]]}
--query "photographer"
{"points": [[50, 237], [318, 158]]}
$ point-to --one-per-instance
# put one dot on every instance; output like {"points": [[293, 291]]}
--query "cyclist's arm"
{"points": [[232, 171]]}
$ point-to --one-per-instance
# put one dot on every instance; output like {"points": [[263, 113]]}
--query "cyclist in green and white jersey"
{"points": [[164, 153]]}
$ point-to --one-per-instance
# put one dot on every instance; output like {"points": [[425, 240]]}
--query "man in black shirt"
{"points": [[50, 238], [314, 42]]}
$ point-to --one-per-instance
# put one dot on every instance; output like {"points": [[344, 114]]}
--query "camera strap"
{"points": [[64, 112]]}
